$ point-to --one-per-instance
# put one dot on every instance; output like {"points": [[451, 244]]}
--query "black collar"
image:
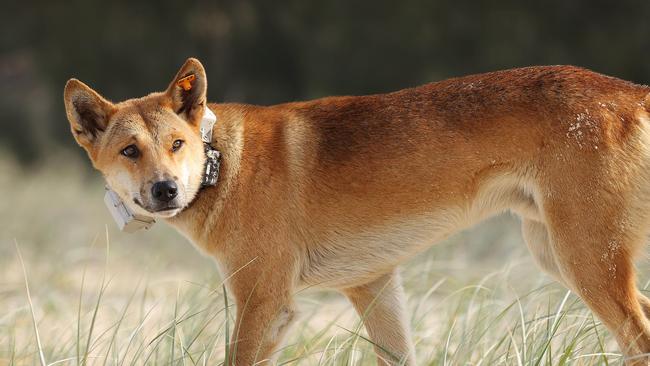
{"points": [[212, 164]]}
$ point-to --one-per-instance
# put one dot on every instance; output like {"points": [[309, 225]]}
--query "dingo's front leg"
{"points": [[259, 329], [381, 306], [265, 309]]}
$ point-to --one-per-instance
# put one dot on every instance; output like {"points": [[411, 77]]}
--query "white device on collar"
{"points": [[207, 122], [126, 220], [130, 222]]}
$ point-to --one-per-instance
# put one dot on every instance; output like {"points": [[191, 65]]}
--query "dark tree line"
{"points": [[266, 52]]}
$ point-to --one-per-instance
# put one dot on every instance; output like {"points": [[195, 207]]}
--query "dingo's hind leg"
{"points": [[535, 235], [594, 257]]}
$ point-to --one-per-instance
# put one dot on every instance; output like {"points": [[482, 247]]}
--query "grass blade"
{"points": [[39, 345]]}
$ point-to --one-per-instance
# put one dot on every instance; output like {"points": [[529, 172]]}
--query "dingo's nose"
{"points": [[164, 191]]}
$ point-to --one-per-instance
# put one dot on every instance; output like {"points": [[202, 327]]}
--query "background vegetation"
{"points": [[149, 298], [268, 52]]}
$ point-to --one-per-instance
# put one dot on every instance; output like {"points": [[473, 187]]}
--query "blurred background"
{"points": [[269, 52], [261, 52]]}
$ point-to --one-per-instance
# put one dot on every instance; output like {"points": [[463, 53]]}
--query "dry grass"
{"points": [[100, 297]]}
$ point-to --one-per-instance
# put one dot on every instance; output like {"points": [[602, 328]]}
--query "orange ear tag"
{"points": [[186, 82]]}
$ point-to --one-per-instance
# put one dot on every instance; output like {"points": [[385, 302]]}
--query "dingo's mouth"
{"points": [[165, 211]]}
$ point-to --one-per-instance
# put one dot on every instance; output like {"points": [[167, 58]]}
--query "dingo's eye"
{"points": [[131, 151], [177, 145]]}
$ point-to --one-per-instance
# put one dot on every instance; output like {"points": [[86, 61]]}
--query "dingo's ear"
{"points": [[88, 112], [188, 91]]}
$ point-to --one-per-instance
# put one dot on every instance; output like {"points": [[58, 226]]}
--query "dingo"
{"points": [[338, 192]]}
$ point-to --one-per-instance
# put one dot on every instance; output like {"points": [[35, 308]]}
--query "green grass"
{"points": [[90, 295]]}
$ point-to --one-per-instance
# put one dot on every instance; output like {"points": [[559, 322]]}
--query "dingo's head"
{"points": [[149, 149]]}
